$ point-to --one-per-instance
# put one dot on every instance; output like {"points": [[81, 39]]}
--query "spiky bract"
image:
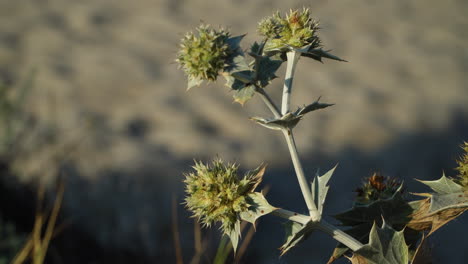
{"points": [[216, 194]]}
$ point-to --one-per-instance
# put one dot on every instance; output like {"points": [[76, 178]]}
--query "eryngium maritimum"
{"points": [[203, 54], [216, 194], [296, 30]]}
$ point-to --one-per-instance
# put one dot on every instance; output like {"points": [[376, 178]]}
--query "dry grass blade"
{"points": [[175, 232], [198, 243], [37, 245]]}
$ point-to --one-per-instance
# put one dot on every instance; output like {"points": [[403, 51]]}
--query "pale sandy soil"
{"points": [[106, 78]]}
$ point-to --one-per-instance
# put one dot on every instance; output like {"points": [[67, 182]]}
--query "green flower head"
{"points": [[296, 30], [377, 187], [216, 194], [463, 167], [203, 54]]}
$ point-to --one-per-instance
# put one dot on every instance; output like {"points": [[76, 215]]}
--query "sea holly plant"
{"points": [[383, 226]]}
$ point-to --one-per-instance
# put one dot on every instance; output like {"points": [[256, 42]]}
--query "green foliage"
{"points": [[386, 246], [420, 218]]}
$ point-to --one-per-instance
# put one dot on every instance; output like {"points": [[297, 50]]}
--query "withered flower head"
{"points": [[377, 187]]}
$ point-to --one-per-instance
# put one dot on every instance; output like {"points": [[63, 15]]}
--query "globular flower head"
{"points": [[216, 194], [270, 27], [463, 167], [296, 30], [203, 54], [377, 187]]}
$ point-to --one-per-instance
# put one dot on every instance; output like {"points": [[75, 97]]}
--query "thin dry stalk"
{"points": [[175, 232]]}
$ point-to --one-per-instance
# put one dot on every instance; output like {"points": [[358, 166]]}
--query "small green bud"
{"points": [[296, 30], [202, 56], [462, 168], [216, 194], [270, 27], [377, 187]]}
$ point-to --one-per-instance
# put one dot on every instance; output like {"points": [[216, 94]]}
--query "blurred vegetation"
{"points": [[11, 241], [12, 114]]}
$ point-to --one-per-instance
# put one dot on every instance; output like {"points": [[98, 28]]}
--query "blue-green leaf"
{"points": [[258, 206], [386, 246]]}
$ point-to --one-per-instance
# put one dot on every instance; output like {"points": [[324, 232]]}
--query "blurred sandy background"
{"points": [[107, 87]]}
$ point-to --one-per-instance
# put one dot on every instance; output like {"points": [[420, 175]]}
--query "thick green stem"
{"points": [[314, 213], [293, 58]]}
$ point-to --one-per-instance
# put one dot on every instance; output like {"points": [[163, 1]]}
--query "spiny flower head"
{"points": [[203, 54], [377, 187], [216, 194], [463, 167], [296, 30]]}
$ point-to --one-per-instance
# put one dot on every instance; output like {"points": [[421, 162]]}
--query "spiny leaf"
{"points": [[234, 42], [296, 233], [361, 217], [318, 54], [448, 202], [287, 121], [238, 63], [386, 246], [444, 185], [312, 107], [244, 94], [320, 189], [258, 206], [267, 68], [395, 209]]}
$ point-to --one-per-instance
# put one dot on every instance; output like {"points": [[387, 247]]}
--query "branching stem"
{"points": [[314, 213], [269, 103], [315, 216], [323, 226]]}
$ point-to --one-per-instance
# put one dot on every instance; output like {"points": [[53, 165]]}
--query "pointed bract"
{"points": [[320, 188]]}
